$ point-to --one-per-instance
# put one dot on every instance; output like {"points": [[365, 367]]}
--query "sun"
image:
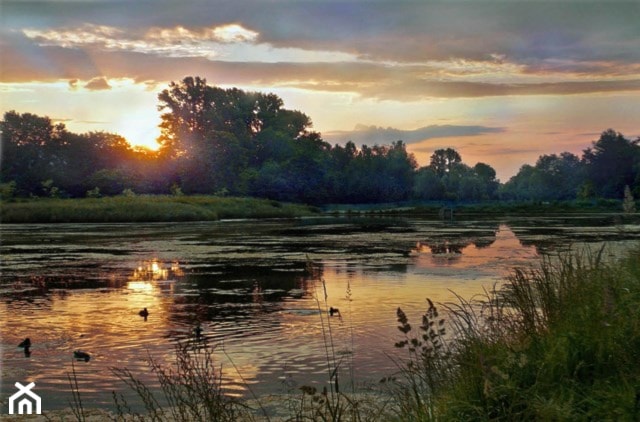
{"points": [[140, 129]]}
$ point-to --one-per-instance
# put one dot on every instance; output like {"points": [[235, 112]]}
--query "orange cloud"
{"points": [[98, 84]]}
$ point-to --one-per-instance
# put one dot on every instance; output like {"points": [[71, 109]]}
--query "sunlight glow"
{"points": [[152, 271], [234, 33], [140, 286], [140, 130]]}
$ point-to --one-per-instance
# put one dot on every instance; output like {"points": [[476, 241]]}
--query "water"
{"points": [[248, 284]]}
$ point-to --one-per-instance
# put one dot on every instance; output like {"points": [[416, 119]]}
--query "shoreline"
{"points": [[167, 209]]}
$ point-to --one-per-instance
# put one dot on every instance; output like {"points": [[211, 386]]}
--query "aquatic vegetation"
{"points": [[426, 369], [191, 390], [557, 342]]}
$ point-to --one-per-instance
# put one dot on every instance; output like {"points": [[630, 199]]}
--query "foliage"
{"points": [[217, 140], [628, 204], [554, 177], [7, 190], [554, 343], [139, 208], [612, 162], [427, 368]]}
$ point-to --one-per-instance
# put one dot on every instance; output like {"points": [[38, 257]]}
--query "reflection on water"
{"points": [[474, 252], [156, 271], [250, 289]]}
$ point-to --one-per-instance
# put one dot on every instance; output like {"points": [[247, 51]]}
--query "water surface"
{"points": [[256, 287]]}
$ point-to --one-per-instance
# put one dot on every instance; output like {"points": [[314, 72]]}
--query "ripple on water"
{"points": [[248, 286]]}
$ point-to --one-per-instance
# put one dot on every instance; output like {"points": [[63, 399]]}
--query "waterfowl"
{"points": [[198, 331], [333, 311], [80, 355], [144, 313], [26, 343]]}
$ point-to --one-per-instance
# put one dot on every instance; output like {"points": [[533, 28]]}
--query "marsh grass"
{"points": [[146, 208], [191, 390], [77, 407], [332, 403], [557, 342]]}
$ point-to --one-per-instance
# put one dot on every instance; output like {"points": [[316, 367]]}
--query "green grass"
{"points": [[559, 342], [146, 208], [475, 209]]}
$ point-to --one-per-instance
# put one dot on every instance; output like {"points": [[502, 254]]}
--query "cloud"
{"points": [[233, 33], [496, 76], [378, 135], [406, 52], [229, 42], [98, 84]]}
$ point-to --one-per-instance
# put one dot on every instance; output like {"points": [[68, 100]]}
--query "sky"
{"points": [[501, 81]]}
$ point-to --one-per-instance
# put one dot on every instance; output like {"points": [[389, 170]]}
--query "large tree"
{"points": [[612, 162], [32, 150], [216, 134], [444, 160]]}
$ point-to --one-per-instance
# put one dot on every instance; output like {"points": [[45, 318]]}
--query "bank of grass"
{"points": [[475, 209], [146, 208], [560, 342]]}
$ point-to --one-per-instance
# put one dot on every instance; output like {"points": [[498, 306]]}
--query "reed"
{"points": [[76, 404], [191, 390], [332, 403], [557, 342]]}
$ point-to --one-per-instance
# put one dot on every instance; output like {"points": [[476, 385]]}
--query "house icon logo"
{"points": [[25, 405]]}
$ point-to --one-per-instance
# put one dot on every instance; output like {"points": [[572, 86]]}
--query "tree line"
{"points": [[231, 142]]}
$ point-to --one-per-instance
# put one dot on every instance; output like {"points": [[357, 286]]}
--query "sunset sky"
{"points": [[500, 81]]}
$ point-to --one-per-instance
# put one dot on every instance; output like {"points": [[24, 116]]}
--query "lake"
{"points": [[257, 288]]}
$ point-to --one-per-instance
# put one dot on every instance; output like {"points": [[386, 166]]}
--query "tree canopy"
{"points": [[229, 141]]}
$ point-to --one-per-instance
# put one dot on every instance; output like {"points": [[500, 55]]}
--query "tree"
{"points": [[487, 178], [428, 185], [554, 177], [612, 162], [214, 135], [443, 160], [32, 150]]}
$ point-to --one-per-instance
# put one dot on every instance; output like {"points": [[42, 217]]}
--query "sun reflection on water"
{"points": [[154, 270]]}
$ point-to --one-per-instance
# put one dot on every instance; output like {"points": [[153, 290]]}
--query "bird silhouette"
{"points": [[198, 332], [26, 345], [80, 355], [144, 313], [334, 311]]}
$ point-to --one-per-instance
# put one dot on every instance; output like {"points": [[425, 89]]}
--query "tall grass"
{"points": [[559, 342], [191, 390], [146, 208], [329, 404]]}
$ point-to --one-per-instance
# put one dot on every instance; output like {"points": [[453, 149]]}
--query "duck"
{"points": [[198, 331], [333, 311], [26, 343], [144, 313], [80, 355]]}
